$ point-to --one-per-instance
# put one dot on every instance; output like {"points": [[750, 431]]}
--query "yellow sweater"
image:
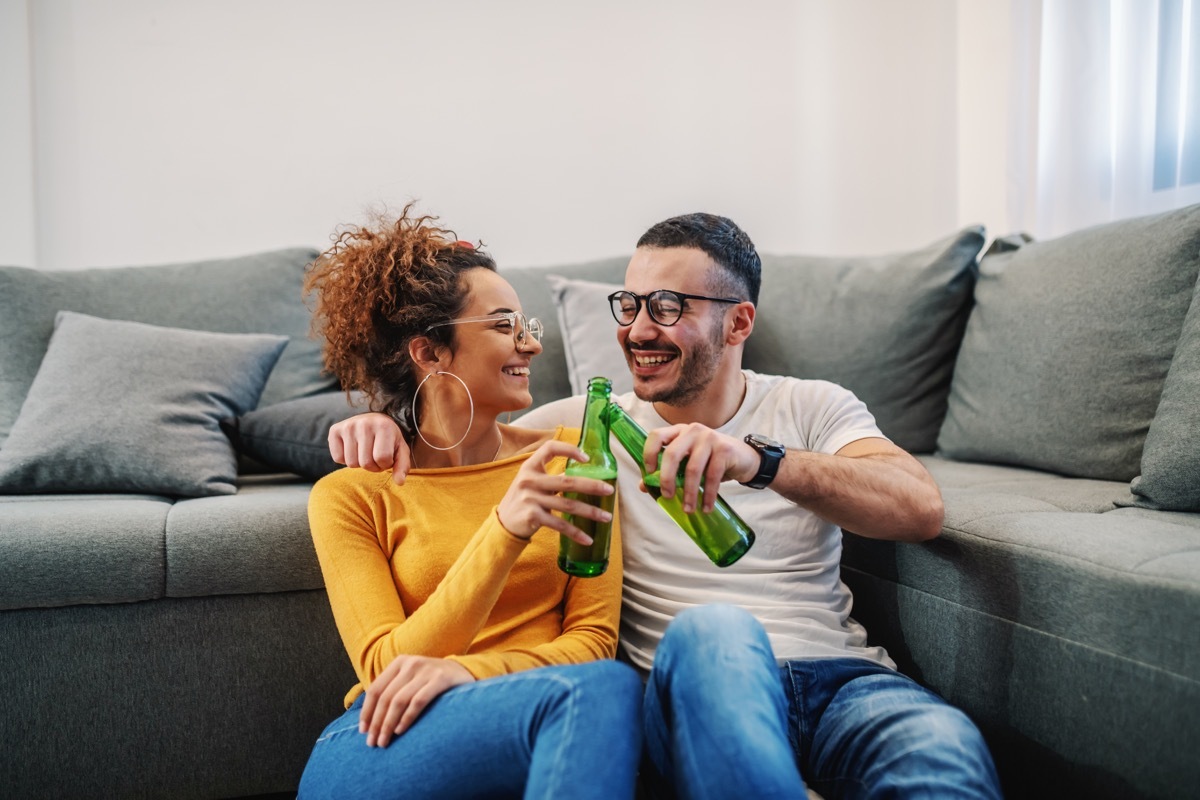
{"points": [[427, 569]]}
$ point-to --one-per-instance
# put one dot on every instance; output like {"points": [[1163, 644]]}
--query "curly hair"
{"points": [[377, 288]]}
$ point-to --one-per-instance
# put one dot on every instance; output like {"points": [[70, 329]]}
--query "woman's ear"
{"points": [[424, 353]]}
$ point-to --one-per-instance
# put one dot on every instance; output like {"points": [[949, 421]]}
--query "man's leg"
{"points": [[866, 731], [715, 711]]}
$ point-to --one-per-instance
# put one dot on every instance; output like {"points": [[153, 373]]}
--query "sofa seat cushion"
{"points": [[1123, 584], [255, 541], [1001, 485], [62, 550]]}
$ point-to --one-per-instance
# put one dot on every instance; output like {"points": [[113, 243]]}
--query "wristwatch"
{"points": [[771, 452]]}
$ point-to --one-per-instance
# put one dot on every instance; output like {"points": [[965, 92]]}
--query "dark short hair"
{"points": [[723, 241]]}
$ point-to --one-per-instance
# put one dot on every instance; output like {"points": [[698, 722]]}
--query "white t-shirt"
{"points": [[790, 579]]}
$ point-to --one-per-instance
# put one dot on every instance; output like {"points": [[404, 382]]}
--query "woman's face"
{"points": [[486, 355]]}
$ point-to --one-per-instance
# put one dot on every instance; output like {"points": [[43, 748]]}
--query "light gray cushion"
{"points": [[589, 333], [294, 436], [1068, 345], [126, 407], [1170, 478], [253, 294], [253, 542], [885, 327]]}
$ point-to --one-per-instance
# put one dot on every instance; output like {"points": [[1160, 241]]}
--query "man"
{"points": [[758, 679]]}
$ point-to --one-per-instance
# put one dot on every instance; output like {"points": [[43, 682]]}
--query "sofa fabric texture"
{"points": [[1170, 469]]}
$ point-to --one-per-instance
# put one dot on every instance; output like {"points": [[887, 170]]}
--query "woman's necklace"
{"points": [[494, 455]]}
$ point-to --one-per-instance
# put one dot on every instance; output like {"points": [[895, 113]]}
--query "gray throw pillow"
{"points": [[127, 407], [253, 294], [1067, 348], [884, 327], [293, 436], [1170, 479], [589, 333]]}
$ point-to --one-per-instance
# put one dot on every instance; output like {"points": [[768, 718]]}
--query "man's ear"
{"points": [[424, 353], [742, 320]]}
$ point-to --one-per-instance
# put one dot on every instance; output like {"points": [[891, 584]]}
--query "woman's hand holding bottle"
{"points": [[534, 496]]}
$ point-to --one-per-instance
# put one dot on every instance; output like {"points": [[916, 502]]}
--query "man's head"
{"points": [[740, 273], [680, 342]]}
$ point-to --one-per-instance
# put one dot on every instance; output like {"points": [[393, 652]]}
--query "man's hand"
{"points": [[371, 441], [400, 694], [711, 458]]}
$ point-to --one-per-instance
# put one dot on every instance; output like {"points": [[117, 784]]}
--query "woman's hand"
{"points": [[400, 694], [534, 495]]}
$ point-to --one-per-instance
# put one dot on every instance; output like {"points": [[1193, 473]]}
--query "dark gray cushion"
{"points": [[252, 294], [126, 407], [1170, 478], [885, 327], [1068, 345], [293, 436]]}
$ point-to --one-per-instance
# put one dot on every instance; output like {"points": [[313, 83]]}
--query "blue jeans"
{"points": [[566, 731], [722, 720]]}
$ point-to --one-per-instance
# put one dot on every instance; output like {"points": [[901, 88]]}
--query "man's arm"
{"points": [[373, 440], [870, 486]]}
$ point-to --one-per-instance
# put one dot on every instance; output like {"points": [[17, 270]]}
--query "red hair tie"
{"points": [[464, 244]]}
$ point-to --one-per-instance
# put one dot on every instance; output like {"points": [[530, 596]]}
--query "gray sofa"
{"points": [[163, 628]]}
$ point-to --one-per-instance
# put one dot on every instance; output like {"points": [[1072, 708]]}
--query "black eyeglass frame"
{"points": [[638, 298]]}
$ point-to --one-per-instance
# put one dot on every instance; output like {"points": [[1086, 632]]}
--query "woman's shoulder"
{"points": [[351, 482]]}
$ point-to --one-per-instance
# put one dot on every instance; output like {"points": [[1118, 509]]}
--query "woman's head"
{"points": [[384, 293]]}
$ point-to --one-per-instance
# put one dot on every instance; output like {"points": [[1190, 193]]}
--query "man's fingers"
{"points": [[337, 449]]}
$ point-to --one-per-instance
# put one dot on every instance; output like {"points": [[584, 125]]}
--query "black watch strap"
{"points": [[770, 453]]}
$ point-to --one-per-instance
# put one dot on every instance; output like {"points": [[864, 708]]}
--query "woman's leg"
{"points": [[715, 711], [569, 731]]}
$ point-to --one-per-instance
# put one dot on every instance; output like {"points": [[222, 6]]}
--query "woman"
{"points": [[483, 670]]}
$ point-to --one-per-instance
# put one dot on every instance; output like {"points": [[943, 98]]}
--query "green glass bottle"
{"points": [[722, 534], [591, 560]]}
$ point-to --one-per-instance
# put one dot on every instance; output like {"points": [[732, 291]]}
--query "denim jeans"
{"points": [[565, 731], [723, 720]]}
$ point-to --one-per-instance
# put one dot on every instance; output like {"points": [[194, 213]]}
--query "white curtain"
{"points": [[1106, 111]]}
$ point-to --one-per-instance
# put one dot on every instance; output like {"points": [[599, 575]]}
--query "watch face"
{"points": [[764, 441]]}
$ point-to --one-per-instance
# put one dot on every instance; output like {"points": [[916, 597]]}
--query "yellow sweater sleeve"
{"points": [[427, 569]]}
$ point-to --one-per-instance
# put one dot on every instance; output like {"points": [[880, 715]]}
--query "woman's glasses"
{"points": [[522, 327], [665, 306]]}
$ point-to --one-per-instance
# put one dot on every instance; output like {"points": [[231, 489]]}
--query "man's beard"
{"points": [[696, 369]]}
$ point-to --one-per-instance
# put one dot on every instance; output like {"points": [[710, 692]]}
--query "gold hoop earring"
{"points": [[470, 400]]}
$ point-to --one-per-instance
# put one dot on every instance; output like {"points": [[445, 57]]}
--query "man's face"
{"points": [[673, 364]]}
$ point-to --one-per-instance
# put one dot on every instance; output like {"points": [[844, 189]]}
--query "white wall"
{"points": [[17, 239], [553, 131]]}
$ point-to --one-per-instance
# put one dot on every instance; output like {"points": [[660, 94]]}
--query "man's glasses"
{"points": [[522, 327], [665, 306]]}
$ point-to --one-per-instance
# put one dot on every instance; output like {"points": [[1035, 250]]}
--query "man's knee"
{"points": [[718, 621], [720, 637]]}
